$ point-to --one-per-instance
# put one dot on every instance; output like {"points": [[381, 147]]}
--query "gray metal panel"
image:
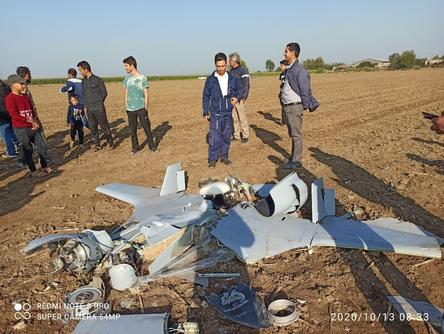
{"points": [[417, 310], [128, 324], [169, 185], [318, 211], [47, 239], [329, 202], [284, 196], [253, 237], [263, 190], [340, 232], [134, 195]]}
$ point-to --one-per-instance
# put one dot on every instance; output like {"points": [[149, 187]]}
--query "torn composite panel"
{"points": [[253, 237], [128, 324]]}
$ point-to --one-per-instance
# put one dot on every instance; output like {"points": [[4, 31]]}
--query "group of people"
{"points": [[223, 103], [22, 130], [224, 98]]}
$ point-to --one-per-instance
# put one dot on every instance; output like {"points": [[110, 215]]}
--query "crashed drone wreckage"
{"points": [[179, 233]]}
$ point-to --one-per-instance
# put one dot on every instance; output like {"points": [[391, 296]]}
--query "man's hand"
{"points": [[438, 124], [35, 124], [234, 101]]}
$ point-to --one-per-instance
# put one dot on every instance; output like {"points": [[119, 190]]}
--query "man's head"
{"points": [[283, 65], [74, 99], [25, 73], [17, 83], [130, 64], [235, 60], [291, 52], [72, 73], [220, 60], [84, 68]]}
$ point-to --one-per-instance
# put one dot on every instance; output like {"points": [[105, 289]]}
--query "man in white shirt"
{"points": [[220, 94]]}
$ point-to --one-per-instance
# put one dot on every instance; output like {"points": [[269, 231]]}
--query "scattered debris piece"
{"points": [[87, 300], [128, 324], [242, 305], [282, 312], [409, 309]]}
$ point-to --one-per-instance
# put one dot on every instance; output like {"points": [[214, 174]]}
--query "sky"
{"points": [[182, 37]]}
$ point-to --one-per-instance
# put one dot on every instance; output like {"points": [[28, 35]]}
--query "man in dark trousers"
{"points": [[136, 102], [296, 97], [220, 94], [94, 95]]}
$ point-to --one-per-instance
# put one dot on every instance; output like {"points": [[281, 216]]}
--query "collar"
{"points": [[221, 76], [295, 61]]}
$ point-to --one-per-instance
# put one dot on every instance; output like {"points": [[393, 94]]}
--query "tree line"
{"points": [[405, 60]]}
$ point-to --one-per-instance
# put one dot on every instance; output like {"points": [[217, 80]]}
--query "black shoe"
{"points": [[211, 164], [244, 140], [226, 161], [292, 165]]}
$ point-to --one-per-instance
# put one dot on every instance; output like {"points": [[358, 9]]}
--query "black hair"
{"points": [[220, 56], [22, 71], [130, 61], [85, 65], [294, 47], [74, 96], [73, 72]]}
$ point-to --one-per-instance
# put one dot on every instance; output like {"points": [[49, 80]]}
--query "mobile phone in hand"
{"points": [[427, 115]]}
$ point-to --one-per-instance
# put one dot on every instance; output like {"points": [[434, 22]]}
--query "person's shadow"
{"points": [[432, 163], [271, 139], [269, 117], [432, 142], [160, 131]]}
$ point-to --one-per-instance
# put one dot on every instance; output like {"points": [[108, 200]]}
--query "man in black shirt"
{"points": [[94, 95]]}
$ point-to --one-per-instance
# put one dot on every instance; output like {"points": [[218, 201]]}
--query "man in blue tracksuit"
{"points": [[220, 94]]}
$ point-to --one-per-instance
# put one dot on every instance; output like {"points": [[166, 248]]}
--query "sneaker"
{"points": [[292, 165], [226, 161], [135, 151], [7, 156], [36, 174], [211, 164], [244, 140], [47, 170], [153, 149]]}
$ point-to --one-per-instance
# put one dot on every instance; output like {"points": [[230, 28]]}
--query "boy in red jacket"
{"points": [[25, 124]]}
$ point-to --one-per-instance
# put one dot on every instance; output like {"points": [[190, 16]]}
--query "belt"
{"points": [[292, 104]]}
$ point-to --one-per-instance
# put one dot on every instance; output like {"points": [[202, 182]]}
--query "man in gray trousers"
{"points": [[94, 95], [296, 97]]}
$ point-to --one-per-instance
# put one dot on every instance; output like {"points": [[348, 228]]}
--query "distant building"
{"points": [[379, 63], [432, 62]]}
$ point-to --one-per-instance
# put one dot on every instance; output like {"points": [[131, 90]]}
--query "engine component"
{"points": [[87, 300]]}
